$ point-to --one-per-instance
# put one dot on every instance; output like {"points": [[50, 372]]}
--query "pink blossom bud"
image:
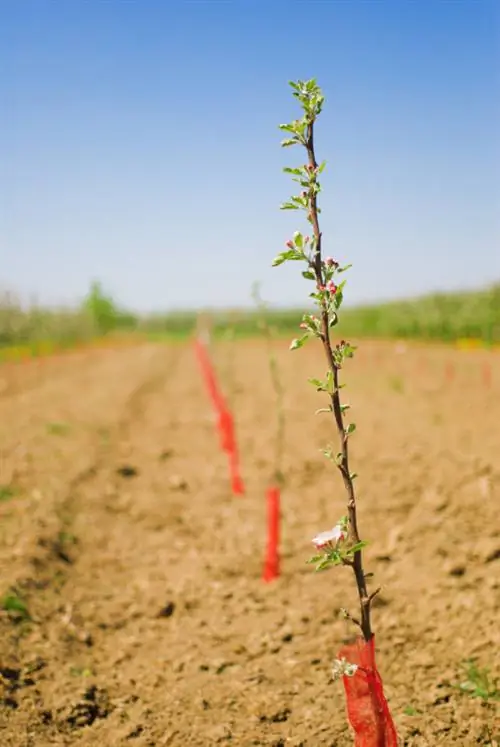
{"points": [[332, 287], [321, 287], [290, 244], [303, 325]]}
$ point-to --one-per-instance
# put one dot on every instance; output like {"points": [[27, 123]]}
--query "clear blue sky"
{"points": [[139, 145]]}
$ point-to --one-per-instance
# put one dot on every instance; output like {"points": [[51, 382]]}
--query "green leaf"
{"points": [[323, 409], [317, 383], [315, 559], [288, 127], [285, 256], [287, 142], [297, 172], [338, 298], [350, 429], [308, 275], [343, 269], [298, 239], [299, 342], [356, 548], [289, 206]]}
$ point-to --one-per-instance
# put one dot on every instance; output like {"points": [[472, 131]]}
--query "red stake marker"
{"points": [[367, 707], [208, 375], [225, 420], [272, 563], [228, 443]]}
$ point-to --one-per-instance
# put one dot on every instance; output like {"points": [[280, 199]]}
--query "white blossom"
{"points": [[343, 667], [329, 539]]}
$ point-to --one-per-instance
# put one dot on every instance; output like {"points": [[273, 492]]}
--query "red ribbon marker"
{"points": [[225, 421], [272, 562], [367, 707], [208, 375], [228, 444]]}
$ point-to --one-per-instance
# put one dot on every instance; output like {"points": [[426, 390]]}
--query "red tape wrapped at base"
{"points": [[272, 562], [367, 707]]}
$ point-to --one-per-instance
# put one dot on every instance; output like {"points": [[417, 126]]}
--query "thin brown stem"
{"points": [[365, 598]]}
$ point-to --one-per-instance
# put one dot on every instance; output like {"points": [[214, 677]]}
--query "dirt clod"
{"points": [[168, 610]]}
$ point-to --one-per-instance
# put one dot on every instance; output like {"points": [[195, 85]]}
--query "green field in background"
{"points": [[445, 317]]}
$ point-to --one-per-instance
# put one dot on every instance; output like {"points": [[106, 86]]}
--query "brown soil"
{"points": [[145, 620]]}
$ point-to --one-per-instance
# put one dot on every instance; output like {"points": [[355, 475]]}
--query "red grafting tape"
{"points": [[272, 564], [367, 707]]}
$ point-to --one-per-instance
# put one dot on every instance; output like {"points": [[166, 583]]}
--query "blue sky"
{"points": [[139, 145]]}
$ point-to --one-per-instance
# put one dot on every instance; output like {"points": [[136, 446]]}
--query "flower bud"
{"points": [[290, 244], [332, 287]]}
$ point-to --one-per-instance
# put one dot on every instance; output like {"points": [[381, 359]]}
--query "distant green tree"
{"points": [[101, 308]]}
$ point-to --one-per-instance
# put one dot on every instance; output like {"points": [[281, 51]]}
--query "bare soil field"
{"points": [[134, 610]]}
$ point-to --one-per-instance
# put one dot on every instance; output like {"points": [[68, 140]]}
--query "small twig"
{"points": [[351, 618]]}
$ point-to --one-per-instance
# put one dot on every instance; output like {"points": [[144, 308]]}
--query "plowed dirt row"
{"points": [[139, 616]]}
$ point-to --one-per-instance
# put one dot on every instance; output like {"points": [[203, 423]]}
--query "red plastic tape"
{"points": [[367, 707], [272, 564], [208, 374], [225, 420]]}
